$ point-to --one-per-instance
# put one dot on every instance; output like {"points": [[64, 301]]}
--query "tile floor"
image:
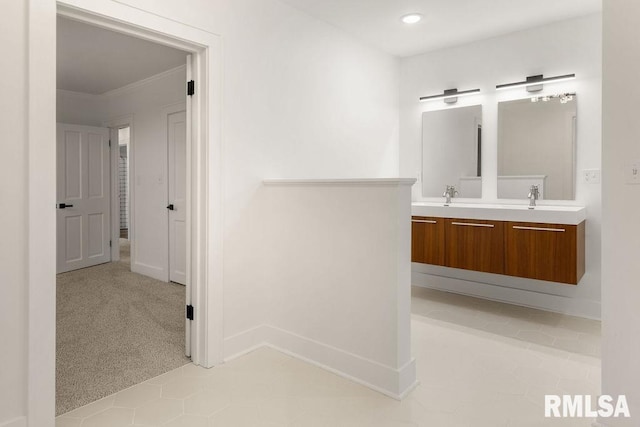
{"points": [[573, 334], [480, 363]]}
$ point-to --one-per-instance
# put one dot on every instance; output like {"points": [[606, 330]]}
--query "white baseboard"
{"points": [[392, 382], [16, 422], [244, 342], [542, 301], [150, 271]]}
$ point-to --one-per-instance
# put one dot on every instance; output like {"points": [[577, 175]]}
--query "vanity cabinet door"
{"points": [[475, 245], [549, 252], [427, 240]]}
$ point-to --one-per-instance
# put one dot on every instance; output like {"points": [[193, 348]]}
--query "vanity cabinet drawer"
{"points": [[427, 240], [549, 252], [475, 245]]}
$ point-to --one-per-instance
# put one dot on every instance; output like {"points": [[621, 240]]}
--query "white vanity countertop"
{"points": [[571, 215]]}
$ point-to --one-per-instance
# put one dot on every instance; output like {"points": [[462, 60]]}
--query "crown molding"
{"points": [[74, 94], [144, 82]]}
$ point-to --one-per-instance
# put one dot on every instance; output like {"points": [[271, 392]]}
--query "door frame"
{"points": [[206, 160]]}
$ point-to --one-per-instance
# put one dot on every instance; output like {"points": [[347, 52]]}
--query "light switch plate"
{"points": [[632, 172], [591, 176]]}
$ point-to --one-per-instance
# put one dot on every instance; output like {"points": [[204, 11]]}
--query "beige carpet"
{"points": [[114, 329]]}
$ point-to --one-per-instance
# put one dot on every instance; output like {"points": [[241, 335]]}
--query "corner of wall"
{"points": [[395, 383], [16, 422]]}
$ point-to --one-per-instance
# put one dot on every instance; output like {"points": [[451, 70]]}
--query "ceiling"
{"points": [[445, 23], [93, 60]]}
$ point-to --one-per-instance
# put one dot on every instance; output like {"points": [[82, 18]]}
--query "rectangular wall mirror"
{"points": [[451, 151], [537, 146]]}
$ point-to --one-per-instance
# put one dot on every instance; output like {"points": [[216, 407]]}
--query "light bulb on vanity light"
{"points": [[411, 18], [563, 97]]}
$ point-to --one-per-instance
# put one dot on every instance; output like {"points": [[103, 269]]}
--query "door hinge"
{"points": [[190, 312], [109, 143], [191, 87], [110, 243]]}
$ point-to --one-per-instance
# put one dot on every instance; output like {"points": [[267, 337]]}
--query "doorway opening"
{"points": [[204, 183], [123, 183], [123, 216], [124, 243]]}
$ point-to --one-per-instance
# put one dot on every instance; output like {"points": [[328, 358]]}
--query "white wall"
{"points": [[621, 203], [149, 173], [79, 108], [565, 47], [14, 214], [342, 274], [335, 258]]}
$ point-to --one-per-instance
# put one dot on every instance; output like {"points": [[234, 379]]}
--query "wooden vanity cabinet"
{"points": [[551, 252], [475, 245], [545, 251], [427, 240]]}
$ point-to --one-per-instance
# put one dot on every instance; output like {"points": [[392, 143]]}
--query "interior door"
{"points": [[177, 143], [83, 194]]}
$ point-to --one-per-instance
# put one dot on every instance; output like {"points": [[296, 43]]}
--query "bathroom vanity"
{"points": [[545, 243], [536, 160]]}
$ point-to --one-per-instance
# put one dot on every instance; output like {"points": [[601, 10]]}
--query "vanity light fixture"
{"points": [[412, 18], [450, 96], [535, 83]]}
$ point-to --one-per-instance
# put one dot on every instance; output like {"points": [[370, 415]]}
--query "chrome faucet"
{"points": [[534, 193], [449, 193]]}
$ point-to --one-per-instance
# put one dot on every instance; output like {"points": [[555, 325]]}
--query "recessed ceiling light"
{"points": [[411, 18]]}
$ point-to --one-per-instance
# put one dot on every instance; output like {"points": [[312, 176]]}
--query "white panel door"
{"points": [[83, 194], [177, 143]]}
